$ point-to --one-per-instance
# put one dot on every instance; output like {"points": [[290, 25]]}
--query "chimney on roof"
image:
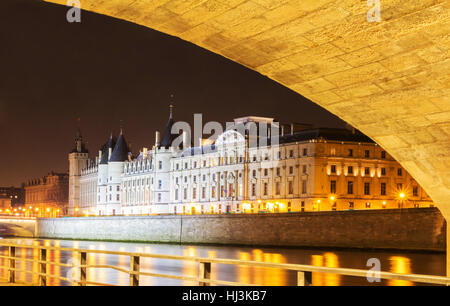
{"points": [[157, 139]]}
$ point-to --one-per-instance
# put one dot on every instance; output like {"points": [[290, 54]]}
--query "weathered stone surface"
{"points": [[389, 79], [418, 229], [17, 227]]}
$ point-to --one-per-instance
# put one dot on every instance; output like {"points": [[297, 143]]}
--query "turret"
{"points": [[119, 155], [78, 159], [104, 155], [162, 155]]}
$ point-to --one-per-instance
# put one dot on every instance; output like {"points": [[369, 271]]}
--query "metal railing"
{"points": [[304, 272]]}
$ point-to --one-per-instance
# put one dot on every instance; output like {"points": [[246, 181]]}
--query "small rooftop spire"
{"points": [[171, 106], [121, 126]]}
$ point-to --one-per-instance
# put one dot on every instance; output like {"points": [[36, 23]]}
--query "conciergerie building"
{"points": [[306, 169]]}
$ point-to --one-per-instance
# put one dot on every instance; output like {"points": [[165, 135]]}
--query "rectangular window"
{"points": [[203, 192], [383, 189], [303, 206], [176, 194], [399, 171], [278, 171], [304, 186], [305, 151], [194, 193], [159, 184], [253, 190], [265, 189], [367, 188], [266, 172], [160, 165], [304, 168], [333, 187], [367, 171], [366, 153], [291, 187], [185, 193], [291, 153], [117, 197], [213, 192], [350, 170], [277, 188], [350, 187], [333, 168], [415, 191], [383, 154], [291, 170], [159, 197], [350, 152], [383, 171], [351, 205], [231, 190]]}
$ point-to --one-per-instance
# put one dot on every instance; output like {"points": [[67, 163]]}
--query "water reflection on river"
{"points": [[419, 263]]}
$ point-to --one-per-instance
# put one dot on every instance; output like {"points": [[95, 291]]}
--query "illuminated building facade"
{"points": [[309, 169], [10, 198], [47, 196]]}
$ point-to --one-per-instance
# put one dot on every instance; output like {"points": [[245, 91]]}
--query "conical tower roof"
{"points": [[168, 137], [121, 150], [105, 149]]}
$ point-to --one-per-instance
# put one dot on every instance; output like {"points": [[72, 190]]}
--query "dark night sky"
{"points": [[106, 70]]}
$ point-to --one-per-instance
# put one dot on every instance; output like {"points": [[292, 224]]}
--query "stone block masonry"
{"points": [[408, 229]]}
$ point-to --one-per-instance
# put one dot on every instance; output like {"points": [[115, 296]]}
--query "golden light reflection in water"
{"points": [[262, 276], [400, 264], [123, 263], [102, 278], [55, 269], [330, 260], [190, 268], [241, 274], [91, 259]]}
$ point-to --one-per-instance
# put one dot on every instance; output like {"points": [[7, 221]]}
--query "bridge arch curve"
{"points": [[389, 79]]}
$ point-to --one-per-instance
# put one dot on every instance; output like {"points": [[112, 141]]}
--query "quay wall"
{"points": [[405, 229]]}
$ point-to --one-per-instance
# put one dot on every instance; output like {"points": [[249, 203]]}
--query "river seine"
{"points": [[391, 261]]}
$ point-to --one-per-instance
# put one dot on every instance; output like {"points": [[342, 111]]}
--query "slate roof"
{"points": [[121, 150]]}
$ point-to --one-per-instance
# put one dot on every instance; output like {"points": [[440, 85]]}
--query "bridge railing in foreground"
{"points": [[304, 272]]}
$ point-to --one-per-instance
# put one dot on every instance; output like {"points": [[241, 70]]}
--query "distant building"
{"points": [[47, 196], [309, 169], [10, 198]]}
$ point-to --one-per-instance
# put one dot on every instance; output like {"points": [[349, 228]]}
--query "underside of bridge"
{"points": [[390, 79]]}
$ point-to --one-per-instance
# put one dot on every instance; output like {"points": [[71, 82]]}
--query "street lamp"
{"points": [[402, 197], [333, 202]]}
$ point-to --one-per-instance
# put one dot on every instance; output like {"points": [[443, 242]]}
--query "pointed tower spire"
{"points": [[168, 137], [171, 106], [107, 148], [79, 144], [121, 150]]}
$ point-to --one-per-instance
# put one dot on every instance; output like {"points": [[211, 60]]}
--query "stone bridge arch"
{"points": [[17, 227], [390, 79]]}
